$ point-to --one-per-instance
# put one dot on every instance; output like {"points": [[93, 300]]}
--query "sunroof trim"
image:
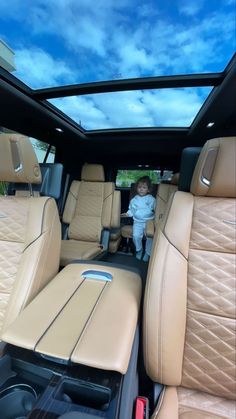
{"points": [[160, 82], [164, 130]]}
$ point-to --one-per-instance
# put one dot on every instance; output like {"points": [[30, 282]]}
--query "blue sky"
{"points": [[59, 42]]}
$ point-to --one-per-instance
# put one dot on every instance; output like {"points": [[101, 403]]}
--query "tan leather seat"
{"points": [[29, 231], [88, 211], [164, 192], [189, 309]]}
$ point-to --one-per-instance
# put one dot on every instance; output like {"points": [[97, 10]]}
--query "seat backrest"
{"points": [[189, 309], [88, 208], [29, 231], [163, 194]]}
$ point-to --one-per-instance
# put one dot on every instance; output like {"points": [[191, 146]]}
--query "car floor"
{"points": [[128, 260]]}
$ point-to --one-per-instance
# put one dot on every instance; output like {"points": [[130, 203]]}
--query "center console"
{"points": [[72, 352], [37, 388]]}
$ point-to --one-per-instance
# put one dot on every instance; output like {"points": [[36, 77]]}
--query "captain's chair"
{"points": [[189, 309], [88, 214], [29, 231]]}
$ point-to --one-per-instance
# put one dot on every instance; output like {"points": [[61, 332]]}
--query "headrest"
{"points": [[175, 179], [93, 173], [51, 182], [188, 162], [18, 161], [215, 173]]}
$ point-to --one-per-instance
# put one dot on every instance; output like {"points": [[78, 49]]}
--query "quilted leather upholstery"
{"points": [[212, 227], [209, 360], [29, 251], [13, 219], [185, 403], [196, 404]]}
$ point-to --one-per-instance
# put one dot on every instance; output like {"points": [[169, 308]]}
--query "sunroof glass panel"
{"points": [[175, 107]]}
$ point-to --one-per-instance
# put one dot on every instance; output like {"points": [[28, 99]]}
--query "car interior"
{"points": [[86, 329]]}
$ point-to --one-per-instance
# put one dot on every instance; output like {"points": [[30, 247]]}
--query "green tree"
{"points": [[3, 187]]}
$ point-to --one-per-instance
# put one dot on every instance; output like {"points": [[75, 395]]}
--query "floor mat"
{"points": [[128, 260]]}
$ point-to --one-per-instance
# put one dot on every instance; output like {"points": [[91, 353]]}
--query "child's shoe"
{"points": [[139, 254], [146, 257]]}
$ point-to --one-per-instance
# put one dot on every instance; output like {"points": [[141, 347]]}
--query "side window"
{"points": [[41, 149], [167, 175], [125, 178]]}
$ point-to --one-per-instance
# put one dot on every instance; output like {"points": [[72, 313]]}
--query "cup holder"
{"points": [[17, 401]]}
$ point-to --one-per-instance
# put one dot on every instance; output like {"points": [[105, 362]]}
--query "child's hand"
{"points": [[124, 214]]}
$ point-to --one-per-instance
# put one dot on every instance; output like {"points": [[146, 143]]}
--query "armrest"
{"points": [[150, 228], [90, 321]]}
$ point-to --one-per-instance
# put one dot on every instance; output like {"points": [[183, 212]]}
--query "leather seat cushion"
{"points": [[184, 403], [74, 249]]}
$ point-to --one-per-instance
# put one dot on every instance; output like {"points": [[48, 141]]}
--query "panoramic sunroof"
{"points": [[75, 41], [175, 107]]}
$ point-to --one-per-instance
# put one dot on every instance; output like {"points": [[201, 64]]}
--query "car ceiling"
{"points": [[26, 111]]}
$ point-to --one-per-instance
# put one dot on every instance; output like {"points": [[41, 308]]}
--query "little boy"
{"points": [[141, 208]]}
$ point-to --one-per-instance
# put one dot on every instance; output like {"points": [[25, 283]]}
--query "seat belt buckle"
{"points": [[141, 408]]}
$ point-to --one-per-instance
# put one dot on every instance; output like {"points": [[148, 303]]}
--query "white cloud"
{"points": [[38, 69], [134, 60], [124, 109], [82, 110], [128, 38], [173, 107], [190, 7], [163, 108]]}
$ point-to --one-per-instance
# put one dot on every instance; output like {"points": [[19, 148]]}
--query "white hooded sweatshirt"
{"points": [[142, 208]]}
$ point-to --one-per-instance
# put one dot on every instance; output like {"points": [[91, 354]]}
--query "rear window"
{"points": [[125, 177]]}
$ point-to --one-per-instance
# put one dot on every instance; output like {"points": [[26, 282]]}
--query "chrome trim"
{"points": [[205, 181], [99, 275]]}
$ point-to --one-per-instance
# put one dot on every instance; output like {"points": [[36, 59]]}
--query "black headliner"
{"points": [[25, 110]]}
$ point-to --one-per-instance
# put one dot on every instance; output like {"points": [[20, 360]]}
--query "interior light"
{"points": [[146, 165], [210, 124], [139, 165], [59, 129]]}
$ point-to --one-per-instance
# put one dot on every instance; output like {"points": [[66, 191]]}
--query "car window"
{"points": [[3, 188], [125, 177], [41, 149]]}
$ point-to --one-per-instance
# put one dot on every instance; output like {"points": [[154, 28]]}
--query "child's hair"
{"points": [[144, 179]]}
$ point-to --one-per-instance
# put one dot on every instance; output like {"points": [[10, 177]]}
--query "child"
{"points": [[141, 208]]}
